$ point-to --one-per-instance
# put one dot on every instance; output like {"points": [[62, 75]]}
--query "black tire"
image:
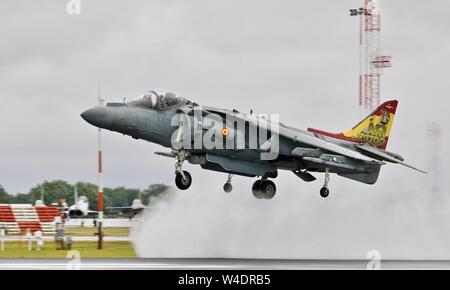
{"points": [[268, 189], [256, 189], [182, 183], [227, 187], [324, 192]]}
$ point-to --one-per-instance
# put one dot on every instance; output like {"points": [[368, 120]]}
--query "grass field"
{"points": [[112, 249], [89, 232], [87, 250]]}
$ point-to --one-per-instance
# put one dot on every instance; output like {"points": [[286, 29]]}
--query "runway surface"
{"points": [[211, 264]]}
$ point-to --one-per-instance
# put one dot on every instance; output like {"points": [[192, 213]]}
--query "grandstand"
{"points": [[18, 218]]}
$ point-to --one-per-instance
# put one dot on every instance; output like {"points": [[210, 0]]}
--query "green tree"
{"points": [[153, 191], [57, 189], [21, 198], [53, 191], [4, 196], [121, 196]]}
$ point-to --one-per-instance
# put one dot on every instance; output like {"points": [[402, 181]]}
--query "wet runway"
{"points": [[213, 264]]}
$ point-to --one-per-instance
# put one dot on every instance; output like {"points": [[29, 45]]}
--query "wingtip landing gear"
{"points": [[324, 191], [228, 187]]}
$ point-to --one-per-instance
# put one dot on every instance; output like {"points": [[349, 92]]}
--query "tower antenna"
{"points": [[371, 61]]}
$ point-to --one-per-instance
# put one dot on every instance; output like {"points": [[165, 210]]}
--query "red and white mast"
{"points": [[100, 178], [371, 60]]}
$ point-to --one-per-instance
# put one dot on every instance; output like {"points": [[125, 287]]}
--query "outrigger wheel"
{"points": [[227, 187], [183, 182], [324, 192]]}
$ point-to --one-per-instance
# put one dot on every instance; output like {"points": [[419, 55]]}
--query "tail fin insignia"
{"points": [[374, 129]]}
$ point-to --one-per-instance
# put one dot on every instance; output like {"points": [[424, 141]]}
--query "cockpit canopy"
{"points": [[158, 100]]}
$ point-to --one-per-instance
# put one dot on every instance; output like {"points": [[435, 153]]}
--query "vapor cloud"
{"points": [[398, 220]]}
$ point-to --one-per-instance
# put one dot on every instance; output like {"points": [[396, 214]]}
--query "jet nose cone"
{"points": [[99, 116]]}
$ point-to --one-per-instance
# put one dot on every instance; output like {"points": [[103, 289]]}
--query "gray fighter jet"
{"points": [[249, 144]]}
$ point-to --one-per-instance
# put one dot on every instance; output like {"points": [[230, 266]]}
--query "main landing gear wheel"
{"points": [[264, 189], [268, 189], [256, 189], [183, 180]]}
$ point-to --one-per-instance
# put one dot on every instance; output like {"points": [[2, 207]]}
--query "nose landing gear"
{"points": [[183, 179]]}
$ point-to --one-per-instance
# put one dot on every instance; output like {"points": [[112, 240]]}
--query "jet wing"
{"points": [[315, 142], [118, 207], [124, 207], [296, 135], [166, 154], [301, 137], [384, 156]]}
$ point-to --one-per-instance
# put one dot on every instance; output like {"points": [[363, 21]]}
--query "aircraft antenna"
{"points": [[371, 60], [42, 193], [75, 193], [99, 94]]}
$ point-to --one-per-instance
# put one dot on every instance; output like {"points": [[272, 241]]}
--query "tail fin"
{"points": [[374, 129]]}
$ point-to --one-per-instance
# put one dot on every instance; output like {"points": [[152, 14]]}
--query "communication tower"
{"points": [[371, 59]]}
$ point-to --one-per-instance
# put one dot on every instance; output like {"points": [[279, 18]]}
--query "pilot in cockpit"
{"points": [[158, 100], [162, 102]]}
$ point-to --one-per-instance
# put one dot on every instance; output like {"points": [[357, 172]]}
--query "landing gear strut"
{"points": [[183, 179], [324, 192], [227, 187], [264, 189]]}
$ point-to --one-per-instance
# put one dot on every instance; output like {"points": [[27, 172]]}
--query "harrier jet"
{"points": [[80, 208], [133, 210], [248, 144]]}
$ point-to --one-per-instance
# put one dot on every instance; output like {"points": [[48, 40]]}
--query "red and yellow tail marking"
{"points": [[374, 129]]}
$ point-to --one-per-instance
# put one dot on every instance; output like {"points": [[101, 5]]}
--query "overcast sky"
{"points": [[295, 58]]}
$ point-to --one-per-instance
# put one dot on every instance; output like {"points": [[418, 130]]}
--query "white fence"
{"points": [[107, 223]]}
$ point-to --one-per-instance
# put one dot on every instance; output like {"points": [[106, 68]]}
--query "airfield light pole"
{"points": [[434, 137], [371, 62], [100, 180], [42, 193]]}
